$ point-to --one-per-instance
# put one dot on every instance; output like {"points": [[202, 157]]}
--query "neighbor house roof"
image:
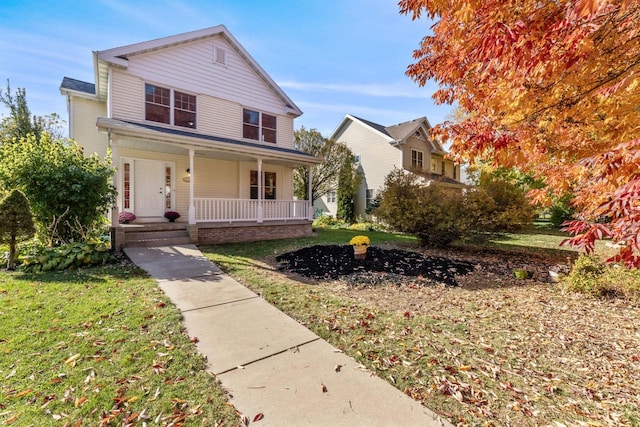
{"points": [[395, 134]]}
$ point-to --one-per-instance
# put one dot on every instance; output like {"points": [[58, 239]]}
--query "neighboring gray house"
{"points": [[379, 149]]}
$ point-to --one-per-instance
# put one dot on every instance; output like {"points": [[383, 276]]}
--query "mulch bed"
{"points": [[380, 266]]}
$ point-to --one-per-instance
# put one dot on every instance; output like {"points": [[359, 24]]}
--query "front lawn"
{"points": [[494, 351], [100, 347]]}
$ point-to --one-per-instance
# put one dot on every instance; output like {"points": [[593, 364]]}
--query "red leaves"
{"points": [[549, 88]]}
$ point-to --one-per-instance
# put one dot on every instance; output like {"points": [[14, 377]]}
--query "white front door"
{"points": [[149, 188]]}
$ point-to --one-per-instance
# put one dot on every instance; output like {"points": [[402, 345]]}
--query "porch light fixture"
{"points": [[188, 177]]}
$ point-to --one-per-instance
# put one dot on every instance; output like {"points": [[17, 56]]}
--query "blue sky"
{"points": [[331, 57]]}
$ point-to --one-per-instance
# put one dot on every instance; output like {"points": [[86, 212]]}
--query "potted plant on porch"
{"points": [[171, 216], [360, 245]]}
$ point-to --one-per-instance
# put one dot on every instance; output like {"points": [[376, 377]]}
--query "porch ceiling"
{"points": [[146, 137]]}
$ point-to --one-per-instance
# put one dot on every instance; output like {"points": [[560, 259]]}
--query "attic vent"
{"points": [[219, 55]]}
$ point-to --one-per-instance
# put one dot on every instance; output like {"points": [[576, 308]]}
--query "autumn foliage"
{"points": [[549, 87]]}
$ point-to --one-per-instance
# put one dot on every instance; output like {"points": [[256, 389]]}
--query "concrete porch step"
{"points": [[150, 243], [146, 235]]}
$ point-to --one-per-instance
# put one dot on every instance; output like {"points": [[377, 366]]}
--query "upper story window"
{"points": [[417, 159], [169, 106], [332, 197], [258, 126]]}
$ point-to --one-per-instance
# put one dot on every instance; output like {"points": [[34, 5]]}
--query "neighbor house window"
{"points": [[455, 172], [417, 159], [268, 183], [442, 168], [332, 197], [169, 106], [370, 195], [258, 126], [434, 165]]}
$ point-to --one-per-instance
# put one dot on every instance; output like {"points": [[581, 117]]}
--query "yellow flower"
{"points": [[360, 241]]}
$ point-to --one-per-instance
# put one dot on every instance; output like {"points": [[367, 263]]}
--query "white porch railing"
{"points": [[230, 210]]}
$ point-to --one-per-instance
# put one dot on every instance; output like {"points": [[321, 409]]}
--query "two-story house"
{"points": [[379, 149], [193, 124]]}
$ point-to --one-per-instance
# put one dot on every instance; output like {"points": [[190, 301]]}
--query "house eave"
{"points": [[189, 140]]}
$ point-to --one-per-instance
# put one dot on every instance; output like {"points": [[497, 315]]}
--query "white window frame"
{"points": [[172, 108], [260, 125], [332, 197]]}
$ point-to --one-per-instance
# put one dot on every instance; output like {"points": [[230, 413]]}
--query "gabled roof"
{"points": [[395, 134], [119, 57]]}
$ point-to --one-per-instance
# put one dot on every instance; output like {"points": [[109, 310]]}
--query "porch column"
{"points": [[192, 208], [115, 211], [310, 195], [260, 192]]}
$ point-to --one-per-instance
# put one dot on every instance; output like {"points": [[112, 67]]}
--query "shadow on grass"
{"points": [[101, 274]]}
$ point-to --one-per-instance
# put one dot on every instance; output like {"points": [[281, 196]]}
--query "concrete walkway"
{"points": [[269, 363]]}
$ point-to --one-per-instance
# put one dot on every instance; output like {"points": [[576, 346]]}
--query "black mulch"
{"points": [[380, 265]]}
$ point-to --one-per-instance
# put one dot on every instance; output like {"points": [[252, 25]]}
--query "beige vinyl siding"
{"points": [[448, 168], [191, 68], [127, 96], [285, 134], [218, 117], [84, 113], [222, 91]]}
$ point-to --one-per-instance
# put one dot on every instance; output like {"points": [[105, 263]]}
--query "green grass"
{"points": [[478, 356], [100, 346]]}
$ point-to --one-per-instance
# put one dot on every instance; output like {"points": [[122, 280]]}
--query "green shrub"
{"points": [[432, 213], [561, 211], [362, 226], [591, 276], [67, 256], [328, 221]]}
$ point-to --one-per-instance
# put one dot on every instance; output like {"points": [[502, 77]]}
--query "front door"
{"points": [[149, 188]]}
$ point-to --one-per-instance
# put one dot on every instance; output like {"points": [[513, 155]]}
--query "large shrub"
{"points": [[69, 193], [430, 212], [439, 214]]}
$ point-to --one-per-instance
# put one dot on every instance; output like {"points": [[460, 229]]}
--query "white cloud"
{"points": [[393, 90]]}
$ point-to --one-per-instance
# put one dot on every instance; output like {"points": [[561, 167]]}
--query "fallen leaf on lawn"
{"points": [[258, 417], [23, 392], [79, 401], [12, 419], [11, 374], [245, 420], [72, 360]]}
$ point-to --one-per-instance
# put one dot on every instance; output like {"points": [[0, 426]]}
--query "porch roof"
{"points": [[178, 141]]}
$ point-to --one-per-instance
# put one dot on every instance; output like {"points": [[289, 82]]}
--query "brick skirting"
{"points": [[215, 233]]}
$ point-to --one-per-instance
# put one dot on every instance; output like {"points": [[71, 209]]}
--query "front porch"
{"points": [[205, 233]]}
